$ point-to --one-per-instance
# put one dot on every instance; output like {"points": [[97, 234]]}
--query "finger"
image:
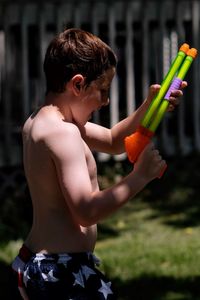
{"points": [[175, 98], [162, 169], [157, 156], [155, 152], [151, 146], [174, 101], [176, 93], [170, 108], [163, 164], [153, 90], [184, 84]]}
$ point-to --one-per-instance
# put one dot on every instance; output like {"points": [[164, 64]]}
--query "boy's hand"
{"points": [[175, 96], [174, 99], [150, 163]]}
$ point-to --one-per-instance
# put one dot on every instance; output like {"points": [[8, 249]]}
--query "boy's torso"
{"points": [[54, 229]]}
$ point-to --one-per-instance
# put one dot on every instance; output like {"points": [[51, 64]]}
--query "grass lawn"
{"points": [[150, 249], [149, 259]]}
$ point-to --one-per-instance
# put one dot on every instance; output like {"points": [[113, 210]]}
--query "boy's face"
{"points": [[97, 93], [93, 97], [103, 85]]}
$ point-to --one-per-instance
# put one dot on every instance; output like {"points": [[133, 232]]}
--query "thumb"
{"points": [[153, 90]]}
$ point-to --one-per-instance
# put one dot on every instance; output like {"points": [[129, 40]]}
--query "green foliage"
{"points": [[15, 207]]}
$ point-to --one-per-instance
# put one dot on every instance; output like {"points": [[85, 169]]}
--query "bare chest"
{"points": [[92, 167]]}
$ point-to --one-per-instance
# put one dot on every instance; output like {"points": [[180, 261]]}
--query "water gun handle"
{"points": [[136, 142]]}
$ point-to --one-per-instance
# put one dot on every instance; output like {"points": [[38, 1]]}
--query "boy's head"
{"points": [[72, 52]]}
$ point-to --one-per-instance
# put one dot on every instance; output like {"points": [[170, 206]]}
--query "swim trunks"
{"points": [[70, 276]]}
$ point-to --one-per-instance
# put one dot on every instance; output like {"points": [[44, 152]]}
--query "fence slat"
{"points": [[196, 77], [130, 80], [144, 24]]}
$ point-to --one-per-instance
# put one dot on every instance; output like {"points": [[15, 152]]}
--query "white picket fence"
{"points": [[145, 35]]}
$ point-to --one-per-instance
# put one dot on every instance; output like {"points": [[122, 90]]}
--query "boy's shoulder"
{"points": [[43, 127]]}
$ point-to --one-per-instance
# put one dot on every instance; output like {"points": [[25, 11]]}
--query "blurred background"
{"points": [[146, 36]]}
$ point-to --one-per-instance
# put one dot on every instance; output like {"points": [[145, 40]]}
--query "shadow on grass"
{"points": [[158, 288], [15, 205], [177, 193], [105, 232], [175, 196], [4, 281]]}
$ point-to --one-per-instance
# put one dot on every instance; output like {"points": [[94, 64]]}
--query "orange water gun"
{"points": [[136, 142]]}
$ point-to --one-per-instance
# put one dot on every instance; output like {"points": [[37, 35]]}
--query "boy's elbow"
{"points": [[118, 151], [86, 221], [86, 218], [86, 213]]}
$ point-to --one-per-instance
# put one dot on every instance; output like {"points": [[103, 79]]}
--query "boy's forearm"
{"points": [[104, 203], [126, 127]]}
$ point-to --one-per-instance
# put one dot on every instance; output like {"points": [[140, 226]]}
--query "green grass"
{"points": [[8, 251], [149, 258], [150, 249]]}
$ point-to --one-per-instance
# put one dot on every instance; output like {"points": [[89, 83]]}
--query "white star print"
{"points": [[105, 289], [49, 277], [63, 259], [87, 272], [26, 277], [96, 260], [79, 279], [38, 259]]}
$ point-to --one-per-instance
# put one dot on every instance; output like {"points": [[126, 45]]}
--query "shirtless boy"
{"points": [[57, 260]]}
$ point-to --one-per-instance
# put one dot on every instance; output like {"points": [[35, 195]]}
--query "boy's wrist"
{"points": [[140, 180]]}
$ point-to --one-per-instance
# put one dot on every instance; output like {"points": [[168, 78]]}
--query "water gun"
{"points": [[136, 142]]}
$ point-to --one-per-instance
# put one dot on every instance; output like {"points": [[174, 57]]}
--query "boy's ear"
{"points": [[77, 83]]}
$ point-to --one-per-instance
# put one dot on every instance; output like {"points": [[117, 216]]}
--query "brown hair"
{"points": [[76, 51]]}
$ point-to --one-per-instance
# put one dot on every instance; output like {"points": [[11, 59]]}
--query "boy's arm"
{"points": [[112, 140], [88, 206]]}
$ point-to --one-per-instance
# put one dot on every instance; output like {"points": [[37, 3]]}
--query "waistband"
{"points": [[25, 254]]}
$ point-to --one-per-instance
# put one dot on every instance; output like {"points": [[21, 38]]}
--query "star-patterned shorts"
{"points": [[72, 276]]}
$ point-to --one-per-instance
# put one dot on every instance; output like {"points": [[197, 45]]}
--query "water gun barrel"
{"points": [[175, 85], [136, 142], [165, 84]]}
